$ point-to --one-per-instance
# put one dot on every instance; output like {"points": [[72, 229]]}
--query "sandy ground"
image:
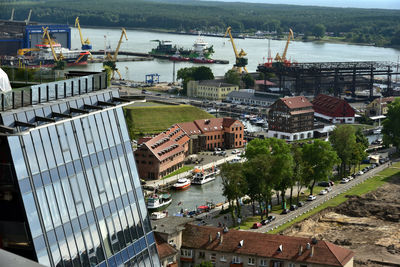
{"points": [[368, 225]]}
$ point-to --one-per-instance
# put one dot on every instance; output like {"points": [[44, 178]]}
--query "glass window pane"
{"points": [[55, 252], [125, 173], [49, 152], [106, 179], [122, 124], [73, 250], [61, 201], [65, 252], [88, 134], [43, 257], [81, 138], [84, 192], [113, 179], [69, 198], [102, 133], [81, 249], [53, 205], [63, 142], [56, 145], [93, 188], [18, 158], [95, 134], [89, 246], [77, 195], [71, 140], [30, 153], [108, 128], [114, 126], [106, 240], [31, 213], [44, 209], [120, 179], [96, 243]]}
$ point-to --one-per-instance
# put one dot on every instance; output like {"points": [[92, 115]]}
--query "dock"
{"points": [[148, 56]]}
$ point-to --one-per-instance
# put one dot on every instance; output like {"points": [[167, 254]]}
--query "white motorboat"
{"points": [[182, 184]]}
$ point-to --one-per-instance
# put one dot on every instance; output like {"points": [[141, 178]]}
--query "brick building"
{"points": [[162, 154], [333, 109], [158, 156], [291, 118], [243, 248]]}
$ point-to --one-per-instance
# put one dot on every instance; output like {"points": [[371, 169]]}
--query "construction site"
{"points": [[367, 224]]}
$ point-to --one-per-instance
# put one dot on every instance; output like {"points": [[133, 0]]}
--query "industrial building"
{"points": [[69, 188], [15, 35]]}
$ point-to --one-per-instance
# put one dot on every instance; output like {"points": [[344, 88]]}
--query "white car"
{"points": [[311, 198], [323, 192], [360, 173], [328, 189], [235, 151], [344, 181]]}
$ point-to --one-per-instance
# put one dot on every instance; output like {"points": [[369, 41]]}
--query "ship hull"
{"points": [[73, 61]]}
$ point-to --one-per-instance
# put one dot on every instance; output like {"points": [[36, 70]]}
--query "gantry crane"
{"points": [[241, 61], [59, 62], [282, 58], [111, 60], [85, 43]]}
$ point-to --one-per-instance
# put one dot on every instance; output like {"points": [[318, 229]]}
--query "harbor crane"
{"points": [[110, 61], [282, 58], [59, 60], [85, 43], [241, 61]]}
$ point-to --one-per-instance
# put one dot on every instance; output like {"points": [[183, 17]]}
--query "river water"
{"points": [[140, 41], [256, 49]]}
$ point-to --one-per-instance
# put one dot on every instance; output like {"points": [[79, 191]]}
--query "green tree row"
{"points": [[359, 25]]}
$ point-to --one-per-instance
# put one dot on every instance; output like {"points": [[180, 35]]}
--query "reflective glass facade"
{"points": [[79, 184]]}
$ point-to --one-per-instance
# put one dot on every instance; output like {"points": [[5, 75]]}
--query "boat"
{"points": [[377, 130], [158, 202], [182, 184], [158, 215], [200, 178], [42, 55], [178, 57], [202, 60]]}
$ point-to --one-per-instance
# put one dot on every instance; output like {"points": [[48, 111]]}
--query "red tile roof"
{"points": [[332, 106], [296, 102], [210, 125], [164, 249], [190, 128], [265, 245], [207, 125]]}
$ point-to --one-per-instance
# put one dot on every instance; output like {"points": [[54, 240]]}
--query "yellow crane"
{"points": [[241, 61], [283, 57], [85, 43], [50, 41], [110, 60]]}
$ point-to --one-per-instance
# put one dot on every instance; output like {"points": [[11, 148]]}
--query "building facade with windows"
{"points": [[379, 106], [71, 192], [210, 89], [235, 248], [291, 118]]}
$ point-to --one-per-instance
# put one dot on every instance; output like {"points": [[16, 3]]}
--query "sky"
{"points": [[386, 4]]}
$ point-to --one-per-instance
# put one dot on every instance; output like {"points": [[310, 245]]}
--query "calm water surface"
{"points": [[140, 41]]}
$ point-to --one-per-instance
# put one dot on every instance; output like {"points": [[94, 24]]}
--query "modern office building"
{"points": [[69, 189]]}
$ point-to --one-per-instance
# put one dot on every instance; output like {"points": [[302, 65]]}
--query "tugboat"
{"points": [[158, 202], [182, 184], [200, 178]]}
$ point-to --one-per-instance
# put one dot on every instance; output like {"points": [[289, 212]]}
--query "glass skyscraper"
{"points": [[70, 194]]}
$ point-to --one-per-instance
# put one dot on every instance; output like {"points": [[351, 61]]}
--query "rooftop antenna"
{"points": [[12, 14]]}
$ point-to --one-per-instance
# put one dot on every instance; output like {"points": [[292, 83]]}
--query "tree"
{"points": [[234, 185], [343, 140], [319, 30], [298, 171], [319, 159], [391, 125], [248, 80], [194, 73], [232, 77]]}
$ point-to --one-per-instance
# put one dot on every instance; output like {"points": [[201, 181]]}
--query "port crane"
{"points": [[241, 61], [85, 43], [282, 58], [59, 60], [110, 61]]}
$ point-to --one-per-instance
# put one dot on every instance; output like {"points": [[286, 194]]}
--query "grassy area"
{"points": [[362, 126], [368, 186], [143, 120], [181, 170]]}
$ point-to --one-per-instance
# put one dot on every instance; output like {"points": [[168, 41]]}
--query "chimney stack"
{"points": [[218, 235], [210, 239], [300, 250], [221, 239], [312, 251]]}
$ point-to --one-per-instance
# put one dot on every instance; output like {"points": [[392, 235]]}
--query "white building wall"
{"points": [[291, 136], [335, 119]]}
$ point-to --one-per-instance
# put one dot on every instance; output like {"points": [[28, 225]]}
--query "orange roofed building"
{"points": [[235, 248], [159, 156]]}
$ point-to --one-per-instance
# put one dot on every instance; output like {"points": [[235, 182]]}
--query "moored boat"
{"points": [[182, 184], [158, 215], [158, 202], [200, 178], [178, 57], [203, 60]]}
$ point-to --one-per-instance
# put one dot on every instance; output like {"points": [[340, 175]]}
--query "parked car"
{"points": [[323, 192], [324, 183], [256, 225], [328, 189], [331, 183], [264, 222], [285, 211], [344, 181], [271, 218], [235, 151], [311, 198], [293, 207], [301, 204], [360, 173]]}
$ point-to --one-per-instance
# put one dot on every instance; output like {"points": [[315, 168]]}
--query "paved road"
{"points": [[337, 189]]}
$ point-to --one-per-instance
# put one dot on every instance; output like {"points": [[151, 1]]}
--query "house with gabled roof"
{"points": [[236, 248], [291, 118], [333, 109]]}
